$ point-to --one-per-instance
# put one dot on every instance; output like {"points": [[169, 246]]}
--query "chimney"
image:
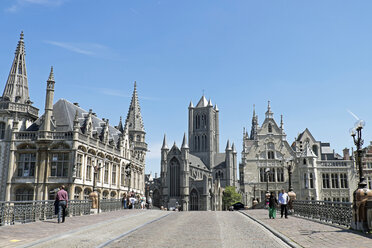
{"points": [[346, 154]]}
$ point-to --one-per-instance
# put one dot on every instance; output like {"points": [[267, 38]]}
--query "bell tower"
{"points": [[204, 130]]}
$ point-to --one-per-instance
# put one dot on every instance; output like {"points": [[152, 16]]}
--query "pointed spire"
{"points": [[120, 125], [281, 122], [228, 148], [164, 147], [254, 110], [16, 88], [216, 107], [134, 120], [210, 103], [202, 102], [184, 142], [51, 75], [233, 148], [191, 105]]}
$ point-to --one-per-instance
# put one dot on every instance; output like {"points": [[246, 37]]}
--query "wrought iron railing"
{"points": [[12, 212], [327, 211]]}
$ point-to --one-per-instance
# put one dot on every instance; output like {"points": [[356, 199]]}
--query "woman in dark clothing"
{"points": [[273, 202]]}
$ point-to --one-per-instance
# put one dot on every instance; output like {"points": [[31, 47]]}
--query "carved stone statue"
{"points": [[94, 197]]}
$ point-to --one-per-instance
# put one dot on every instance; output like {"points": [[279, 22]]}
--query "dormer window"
{"points": [[270, 155], [270, 128]]}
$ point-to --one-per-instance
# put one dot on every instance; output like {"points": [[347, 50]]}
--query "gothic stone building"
{"points": [[66, 145], [317, 172], [194, 174]]}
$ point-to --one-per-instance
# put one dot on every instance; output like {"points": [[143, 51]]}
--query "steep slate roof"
{"points": [[64, 115], [134, 120], [202, 102], [195, 161]]}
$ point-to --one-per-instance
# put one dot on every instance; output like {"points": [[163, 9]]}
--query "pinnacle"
{"points": [[51, 75], [21, 35]]}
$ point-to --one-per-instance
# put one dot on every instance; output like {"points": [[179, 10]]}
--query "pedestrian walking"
{"points": [[273, 202], [62, 202], [124, 200], [283, 201], [149, 201], [143, 202]]}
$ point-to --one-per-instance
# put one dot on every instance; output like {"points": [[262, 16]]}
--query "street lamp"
{"points": [[356, 133], [290, 167]]}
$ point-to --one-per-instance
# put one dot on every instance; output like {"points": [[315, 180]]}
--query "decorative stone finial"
{"points": [[51, 75], [21, 36]]}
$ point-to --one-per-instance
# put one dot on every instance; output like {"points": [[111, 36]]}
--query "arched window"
{"points": [[270, 128], [174, 177], [194, 200], [105, 195], [196, 143], [304, 160], [24, 194], [138, 138], [2, 130], [86, 193], [113, 195], [113, 178], [77, 193]]}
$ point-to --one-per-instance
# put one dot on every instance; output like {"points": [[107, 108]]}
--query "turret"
{"points": [[49, 101], [185, 148]]}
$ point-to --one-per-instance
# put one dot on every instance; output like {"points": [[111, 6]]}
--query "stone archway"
{"points": [[194, 200]]}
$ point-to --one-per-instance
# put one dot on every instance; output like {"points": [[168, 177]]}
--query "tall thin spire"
{"points": [[164, 147], [254, 124], [120, 125], [184, 142], [134, 120], [281, 122], [16, 88]]}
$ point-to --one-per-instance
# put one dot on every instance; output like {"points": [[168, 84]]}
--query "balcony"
{"points": [[140, 145]]}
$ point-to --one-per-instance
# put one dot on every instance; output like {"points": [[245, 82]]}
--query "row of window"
{"points": [[200, 143], [335, 180], [60, 166], [273, 175], [201, 121]]}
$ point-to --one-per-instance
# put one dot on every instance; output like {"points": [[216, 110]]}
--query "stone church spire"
{"points": [[16, 88], [254, 124], [134, 118]]}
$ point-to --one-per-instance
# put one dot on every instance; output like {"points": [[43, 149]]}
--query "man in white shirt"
{"points": [[283, 201]]}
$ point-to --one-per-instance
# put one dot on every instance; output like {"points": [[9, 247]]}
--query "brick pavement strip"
{"points": [[309, 233], [21, 234]]}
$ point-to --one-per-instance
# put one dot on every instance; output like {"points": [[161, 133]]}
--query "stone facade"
{"points": [[66, 145], [317, 172], [193, 175]]}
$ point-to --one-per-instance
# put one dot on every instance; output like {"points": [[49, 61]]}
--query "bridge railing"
{"points": [[327, 211], [13, 212]]}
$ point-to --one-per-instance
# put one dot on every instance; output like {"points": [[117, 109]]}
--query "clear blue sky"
{"points": [[312, 59]]}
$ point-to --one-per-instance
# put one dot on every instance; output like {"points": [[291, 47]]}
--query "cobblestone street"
{"points": [[153, 228]]}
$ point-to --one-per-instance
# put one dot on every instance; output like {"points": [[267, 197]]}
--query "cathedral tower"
{"points": [[204, 130]]}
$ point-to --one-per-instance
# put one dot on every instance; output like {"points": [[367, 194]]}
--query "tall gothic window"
{"points": [[272, 175], [114, 174], [196, 143], [262, 175], [59, 165], [334, 177], [280, 174], [2, 130], [79, 162], [174, 178], [26, 164], [106, 176], [311, 180], [344, 181], [89, 169], [270, 128], [325, 178], [122, 176], [306, 183], [194, 200]]}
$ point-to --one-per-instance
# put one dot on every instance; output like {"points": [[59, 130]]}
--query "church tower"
{"points": [[204, 130], [136, 130], [15, 104]]}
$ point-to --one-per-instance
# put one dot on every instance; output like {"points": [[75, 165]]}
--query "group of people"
{"points": [[132, 201], [273, 203]]}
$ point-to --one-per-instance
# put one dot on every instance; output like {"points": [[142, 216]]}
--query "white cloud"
{"points": [[74, 47], [18, 4]]}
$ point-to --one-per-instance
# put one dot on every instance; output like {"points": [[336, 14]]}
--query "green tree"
{"points": [[230, 196]]}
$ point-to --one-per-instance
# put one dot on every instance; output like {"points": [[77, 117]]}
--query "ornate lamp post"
{"points": [[362, 195], [291, 193], [356, 133]]}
